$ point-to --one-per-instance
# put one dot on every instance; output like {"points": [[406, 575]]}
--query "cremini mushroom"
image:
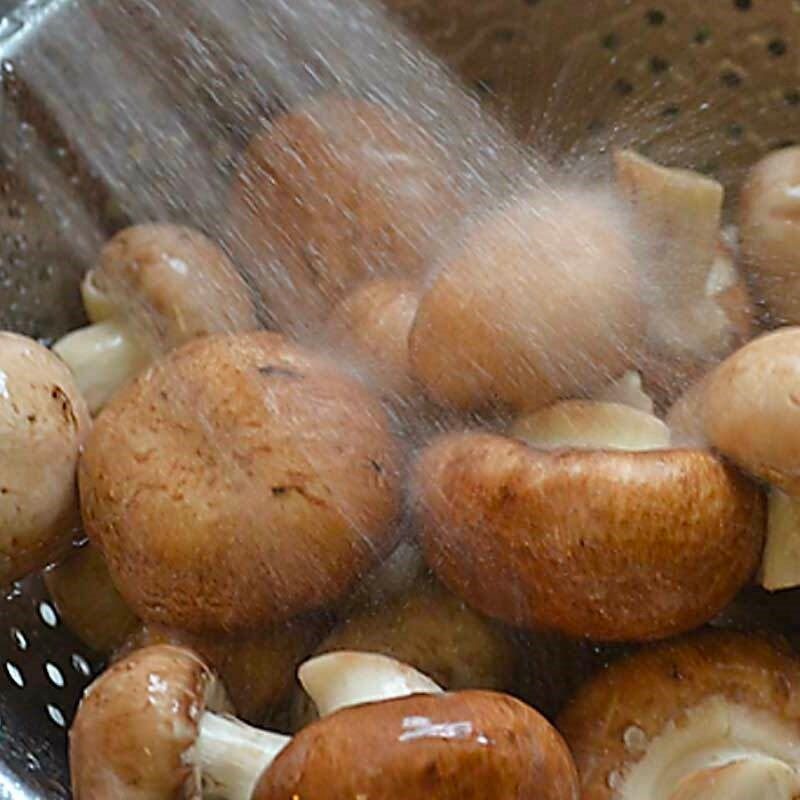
{"points": [[751, 408], [44, 423], [239, 482], [338, 191], [538, 301], [768, 210], [713, 716], [154, 725], [433, 631], [257, 670], [88, 602], [156, 286], [698, 307], [372, 324], [436, 746], [586, 538]]}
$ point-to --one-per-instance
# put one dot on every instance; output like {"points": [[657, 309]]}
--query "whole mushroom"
{"points": [[239, 482], [338, 191], [156, 286], [713, 716], [621, 540], [768, 210], [537, 302], [44, 422]]}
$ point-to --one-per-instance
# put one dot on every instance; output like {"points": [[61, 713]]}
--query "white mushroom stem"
{"points": [[719, 751], [347, 678], [97, 304], [780, 567], [627, 391], [592, 425], [102, 358], [231, 756]]}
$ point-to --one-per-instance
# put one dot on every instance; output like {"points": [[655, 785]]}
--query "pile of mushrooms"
{"points": [[379, 462]]}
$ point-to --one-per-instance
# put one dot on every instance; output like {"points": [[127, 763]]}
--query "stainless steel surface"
{"points": [[710, 85]]}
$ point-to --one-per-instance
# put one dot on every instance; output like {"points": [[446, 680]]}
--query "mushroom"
{"points": [[336, 192], [155, 724], [780, 567], [712, 716], [588, 539], [685, 418], [88, 602], [538, 301], [44, 422], [432, 630], [698, 307], [257, 670], [768, 211], [240, 482], [629, 391], [156, 286], [372, 324], [436, 746], [751, 408]]}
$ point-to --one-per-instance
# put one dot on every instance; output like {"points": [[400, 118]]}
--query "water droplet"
{"points": [[635, 739]]}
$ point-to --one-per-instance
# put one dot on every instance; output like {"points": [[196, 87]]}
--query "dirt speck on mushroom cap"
{"points": [[239, 482], [447, 747]]}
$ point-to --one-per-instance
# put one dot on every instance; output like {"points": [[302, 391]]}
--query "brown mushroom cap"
{"points": [[88, 602], [44, 421], [538, 301], [432, 630], [173, 284], [258, 671], [136, 722], [373, 324], [336, 192], [751, 408], [470, 744], [613, 719], [239, 482], [607, 544], [768, 210]]}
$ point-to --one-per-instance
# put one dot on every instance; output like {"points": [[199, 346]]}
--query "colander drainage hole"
{"points": [[48, 614], [81, 665], [15, 674], [55, 675], [56, 715], [19, 639]]}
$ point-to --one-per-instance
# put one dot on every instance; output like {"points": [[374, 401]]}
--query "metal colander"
{"points": [[711, 85]]}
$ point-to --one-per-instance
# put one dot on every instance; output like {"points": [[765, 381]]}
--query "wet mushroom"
{"points": [[768, 210], [713, 716], [336, 192], [538, 301], [88, 602], [436, 746], [156, 286], [239, 482], [44, 423], [582, 537]]}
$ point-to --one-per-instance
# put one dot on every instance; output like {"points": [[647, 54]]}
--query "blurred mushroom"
{"points": [[698, 308], [88, 602], [538, 301], [713, 716], [685, 418], [433, 631], [586, 538], [768, 212], [442, 746], [334, 193], [629, 391], [751, 408], [44, 422], [239, 482], [155, 287], [372, 324], [257, 671]]}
